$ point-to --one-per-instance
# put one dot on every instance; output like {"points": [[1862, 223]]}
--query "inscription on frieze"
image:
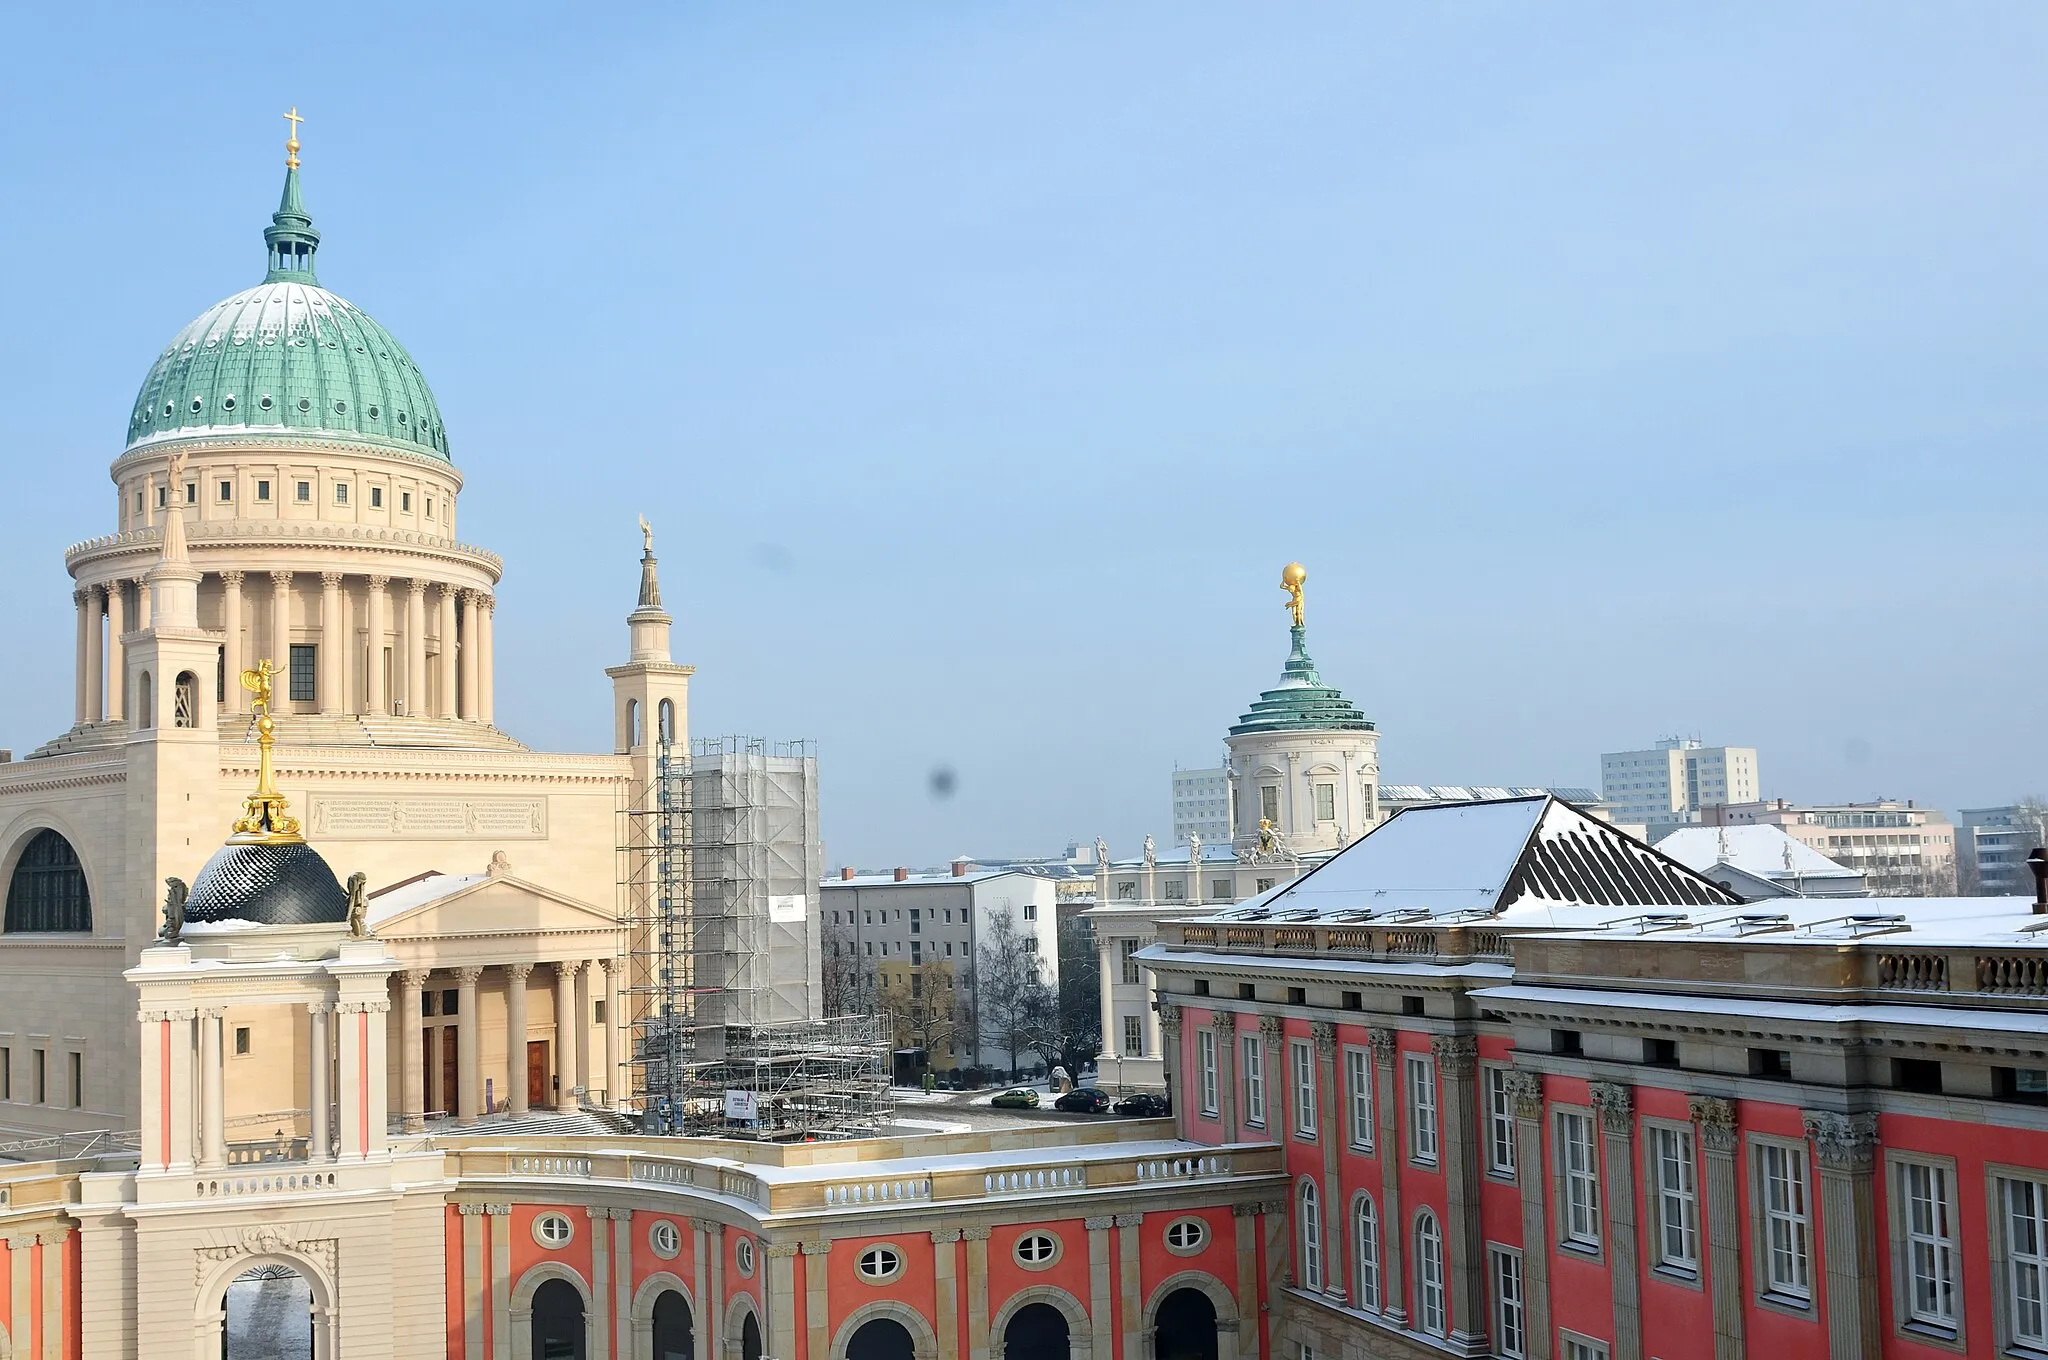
{"points": [[355, 817]]}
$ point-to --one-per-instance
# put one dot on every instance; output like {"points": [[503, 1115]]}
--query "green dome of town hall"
{"points": [[287, 357]]}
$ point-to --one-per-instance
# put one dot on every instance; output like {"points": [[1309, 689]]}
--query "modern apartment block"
{"points": [[1544, 1092], [1901, 850], [1992, 845], [1201, 805], [1668, 784]]}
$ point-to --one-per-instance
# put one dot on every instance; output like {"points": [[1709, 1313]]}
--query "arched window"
{"points": [[666, 723], [145, 712], [1366, 1233], [1429, 1274], [186, 707], [1309, 1225], [632, 723], [48, 889]]}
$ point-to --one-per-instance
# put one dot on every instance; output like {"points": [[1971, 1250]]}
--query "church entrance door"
{"points": [[269, 1316], [536, 1072]]}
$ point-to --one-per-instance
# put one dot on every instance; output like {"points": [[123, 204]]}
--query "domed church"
{"points": [[286, 496]]}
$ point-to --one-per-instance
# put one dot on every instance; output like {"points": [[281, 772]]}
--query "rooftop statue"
{"points": [[1291, 577]]}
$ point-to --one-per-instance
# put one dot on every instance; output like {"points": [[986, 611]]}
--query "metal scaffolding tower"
{"points": [[717, 870]]}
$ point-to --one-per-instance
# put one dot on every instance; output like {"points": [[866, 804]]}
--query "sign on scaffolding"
{"points": [[741, 1106]]}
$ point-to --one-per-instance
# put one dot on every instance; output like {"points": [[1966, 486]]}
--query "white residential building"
{"points": [[1992, 845], [1201, 805], [1668, 784]]}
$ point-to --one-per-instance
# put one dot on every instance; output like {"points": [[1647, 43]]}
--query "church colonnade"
{"points": [[440, 1028], [383, 644]]}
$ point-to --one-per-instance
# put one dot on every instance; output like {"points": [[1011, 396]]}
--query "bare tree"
{"points": [[920, 1006], [1077, 1033], [1009, 988], [848, 980]]}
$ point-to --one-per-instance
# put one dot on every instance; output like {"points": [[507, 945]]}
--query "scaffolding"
{"points": [[718, 870]]}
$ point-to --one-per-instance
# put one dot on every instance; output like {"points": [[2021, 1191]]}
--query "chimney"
{"points": [[960, 867], [846, 873], [902, 874], [2038, 863]]}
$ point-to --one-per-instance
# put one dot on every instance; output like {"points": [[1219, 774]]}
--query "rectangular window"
{"points": [[1422, 1129], [1674, 1199], [1254, 1079], [1500, 1123], [77, 1061], [191, 493], [1580, 1348], [303, 492], [1304, 1059], [304, 660], [430, 507], [451, 1001], [227, 491], [376, 498], [1219, 889], [1269, 804], [2024, 1209], [162, 493], [405, 502], [341, 493], [6, 1074], [1510, 1321], [39, 1075], [138, 502], [1031, 911], [1326, 802], [242, 1041], [1205, 1048], [1787, 1226], [1129, 947], [1134, 1036], [1578, 1171], [1358, 1093], [1932, 1263], [262, 490]]}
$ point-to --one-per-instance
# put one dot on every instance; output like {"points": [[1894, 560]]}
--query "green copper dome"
{"points": [[1301, 701], [288, 357]]}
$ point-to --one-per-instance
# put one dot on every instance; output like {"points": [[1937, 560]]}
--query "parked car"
{"points": [[1144, 1105], [1017, 1098], [1084, 1100]]}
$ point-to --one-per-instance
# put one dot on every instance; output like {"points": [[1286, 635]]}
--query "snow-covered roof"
{"points": [[1467, 793], [1779, 1012], [1765, 851], [395, 902], [1177, 858], [1920, 921], [921, 878]]}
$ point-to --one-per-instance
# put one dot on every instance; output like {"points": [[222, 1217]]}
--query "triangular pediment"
{"points": [[449, 906]]}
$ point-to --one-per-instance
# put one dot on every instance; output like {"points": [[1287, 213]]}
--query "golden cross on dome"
{"points": [[291, 146]]}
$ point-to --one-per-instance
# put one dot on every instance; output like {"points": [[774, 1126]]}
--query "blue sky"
{"points": [[1616, 369]]}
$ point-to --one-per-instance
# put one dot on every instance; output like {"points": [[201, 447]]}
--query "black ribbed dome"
{"points": [[271, 884]]}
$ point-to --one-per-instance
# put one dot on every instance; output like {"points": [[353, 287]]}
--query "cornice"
{"points": [[207, 535], [157, 449]]}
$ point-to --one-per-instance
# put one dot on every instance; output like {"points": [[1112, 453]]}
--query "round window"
{"points": [[1037, 1249], [167, 409], [879, 1265], [341, 408], [264, 402], [305, 404], [196, 405], [1185, 1235], [227, 403], [665, 1239], [373, 413], [553, 1230], [743, 1256]]}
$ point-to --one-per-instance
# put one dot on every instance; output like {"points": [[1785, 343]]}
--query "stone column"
{"points": [[466, 1083], [1101, 1326], [622, 1276], [213, 1123], [333, 642], [1153, 1047], [516, 975], [152, 1142], [352, 1052], [1845, 1146], [376, 695], [1715, 1119], [1393, 1233], [1274, 1087], [1457, 1064], [977, 1292], [472, 1216], [501, 1280], [320, 1062], [1224, 1025], [817, 1298], [20, 1288], [486, 666], [709, 1254], [143, 598], [585, 1068], [1525, 1090], [1131, 1282], [1617, 1107], [232, 701], [55, 1322], [466, 696], [946, 1290], [280, 643], [95, 659], [1247, 1243], [1331, 1134], [415, 705], [183, 1021], [565, 1035], [615, 1085], [412, 1076], [444, 659], [88, 618], [600, 1278], [1166, 1020], [117, 654], [1112, 1042]]}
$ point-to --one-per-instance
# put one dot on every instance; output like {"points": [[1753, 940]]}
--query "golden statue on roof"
{"points": [[1291, 577], [264, 819]]}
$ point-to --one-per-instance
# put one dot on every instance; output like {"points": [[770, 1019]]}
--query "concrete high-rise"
{"points": [[1668, 784], [1201, 805]]}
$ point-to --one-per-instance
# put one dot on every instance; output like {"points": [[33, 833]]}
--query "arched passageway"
{"points": [[750, 1339], [269, 1316], [1037, 1332], [557, 1322], [1187, 1327], [672, 1327], [881, 1339]]}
